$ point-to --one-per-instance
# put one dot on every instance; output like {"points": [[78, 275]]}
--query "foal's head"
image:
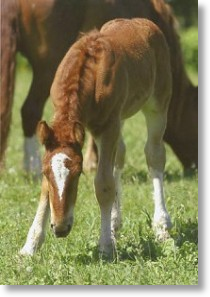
{"points": [[62, 166]]}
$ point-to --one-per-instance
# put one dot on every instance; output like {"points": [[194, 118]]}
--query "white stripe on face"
{"points": [[60, 171]]}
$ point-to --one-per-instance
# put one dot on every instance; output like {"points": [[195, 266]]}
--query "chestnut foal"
{"points": [[104, 78]]}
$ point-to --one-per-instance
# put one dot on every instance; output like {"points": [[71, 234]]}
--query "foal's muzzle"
{"points": [[60, 230]]}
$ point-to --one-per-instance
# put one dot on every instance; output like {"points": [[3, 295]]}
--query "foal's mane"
{"points": [[74, 72]]}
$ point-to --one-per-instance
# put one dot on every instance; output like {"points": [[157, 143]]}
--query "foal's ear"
{"points": [[44, 133], [79, 133]]}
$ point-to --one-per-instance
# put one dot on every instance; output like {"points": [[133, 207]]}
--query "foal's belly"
{"points": [[133, 105]]}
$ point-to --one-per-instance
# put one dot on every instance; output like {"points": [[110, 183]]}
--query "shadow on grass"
{"points": [[90, 256], [130, 175], [186, 231], [145, 247], [178, 175]]}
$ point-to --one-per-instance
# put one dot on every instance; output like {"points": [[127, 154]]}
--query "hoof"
{"points": [[26, 252], [162, 227], [107, 252], [162, 235]]}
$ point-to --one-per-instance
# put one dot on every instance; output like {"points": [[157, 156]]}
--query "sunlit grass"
{"points": [[74, 260]]}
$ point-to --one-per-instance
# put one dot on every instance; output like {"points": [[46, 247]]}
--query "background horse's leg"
{"points": [[31, 112], [105, 186], [155, 156], [36, 234], [9, 33]]}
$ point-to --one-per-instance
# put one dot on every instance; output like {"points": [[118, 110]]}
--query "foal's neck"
{"points": [[68, 129]]}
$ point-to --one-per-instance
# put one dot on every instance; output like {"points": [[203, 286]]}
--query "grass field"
{"points": [[74, 260]]}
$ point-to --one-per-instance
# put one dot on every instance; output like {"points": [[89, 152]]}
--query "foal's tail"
{"points": [[8, 49]]}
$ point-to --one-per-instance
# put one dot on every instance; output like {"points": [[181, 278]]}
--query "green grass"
{"points": [[74, 260]]}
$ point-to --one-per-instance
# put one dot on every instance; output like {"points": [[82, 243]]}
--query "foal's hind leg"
{"points": [[118, 167], [31, 113], [155, 156], [90, 161]]}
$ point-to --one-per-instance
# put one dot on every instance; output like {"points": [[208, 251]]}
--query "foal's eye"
{"points": [[68, 163]]}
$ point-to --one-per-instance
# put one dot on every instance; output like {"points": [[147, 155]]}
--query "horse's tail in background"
{"points": [[9, 34]]}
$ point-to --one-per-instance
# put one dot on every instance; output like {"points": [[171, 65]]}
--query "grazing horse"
{"points": [[44, 30], [105, 77]]}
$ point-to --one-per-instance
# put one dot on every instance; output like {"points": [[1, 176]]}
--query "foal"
{"points": [[104, 78]]}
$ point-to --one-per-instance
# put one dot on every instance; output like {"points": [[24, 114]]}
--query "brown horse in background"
{"points": [[43, 31]]}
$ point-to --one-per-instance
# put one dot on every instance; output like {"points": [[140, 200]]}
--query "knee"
{"points": [[155, 155], [104, 188]]}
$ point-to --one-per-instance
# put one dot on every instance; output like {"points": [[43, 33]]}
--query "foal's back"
{"points": [[142, 63], [114, 72]]}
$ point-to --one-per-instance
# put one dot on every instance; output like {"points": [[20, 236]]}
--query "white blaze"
{"points": [[60, 171]]}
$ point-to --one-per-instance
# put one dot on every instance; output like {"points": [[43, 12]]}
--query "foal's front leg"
{"points": [[155, 156], [105, 188], [36, 234]]}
